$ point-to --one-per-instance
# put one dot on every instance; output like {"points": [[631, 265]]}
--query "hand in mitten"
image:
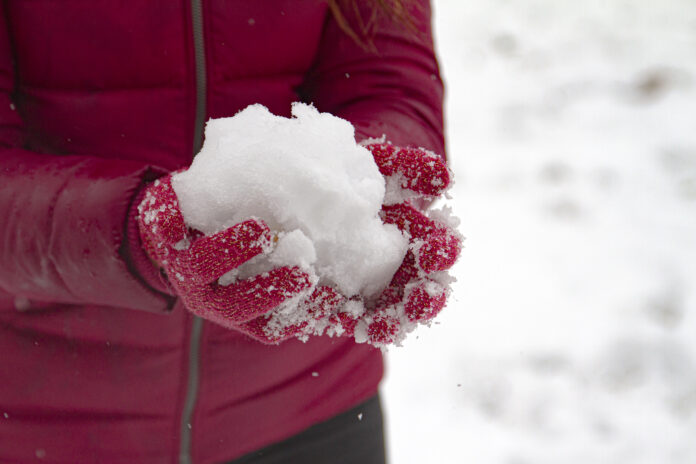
{"points": [[414, 295], [194, 263]]}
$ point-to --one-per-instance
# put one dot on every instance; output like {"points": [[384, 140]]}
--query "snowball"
{"points": [[292, 249], [311, 183]]}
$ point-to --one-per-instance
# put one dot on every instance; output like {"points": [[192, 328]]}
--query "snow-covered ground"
{"points": [[571, 334]]}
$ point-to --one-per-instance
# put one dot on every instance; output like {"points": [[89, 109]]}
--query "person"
{"points": [[101, 362]]}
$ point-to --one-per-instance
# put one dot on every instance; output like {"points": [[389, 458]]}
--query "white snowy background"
{"points": [[571, 334]]}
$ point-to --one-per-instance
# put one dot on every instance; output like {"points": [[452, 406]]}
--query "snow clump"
{"points": [[313, 185]]}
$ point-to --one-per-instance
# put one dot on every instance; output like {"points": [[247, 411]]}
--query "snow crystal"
{"points": [[354, 308], [360, 332], [395, 193], [309, 181]]}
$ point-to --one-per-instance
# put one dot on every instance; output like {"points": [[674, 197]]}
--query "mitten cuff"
{"points": [[140, 261]]}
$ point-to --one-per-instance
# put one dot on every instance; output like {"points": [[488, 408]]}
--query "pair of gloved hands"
{"points": [[194, 262]]}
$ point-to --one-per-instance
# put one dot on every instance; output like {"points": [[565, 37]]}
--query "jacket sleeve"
{"points": [[393, 89], [63, 220]]}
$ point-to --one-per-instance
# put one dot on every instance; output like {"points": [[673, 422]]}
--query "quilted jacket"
{"points": [[98, 97]]}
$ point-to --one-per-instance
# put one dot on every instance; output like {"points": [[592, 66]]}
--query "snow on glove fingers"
{"points": [[310, 317], [414, 169], [387, 324], [160, 220], [414, 295], [245, 300], [424, 299], [435, 245], [410, 298]]}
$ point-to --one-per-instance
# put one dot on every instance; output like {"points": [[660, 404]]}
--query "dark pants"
{"points": [[353, 437]]}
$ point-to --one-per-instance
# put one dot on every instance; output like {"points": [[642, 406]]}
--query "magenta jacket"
{"points": [[97, 97]]}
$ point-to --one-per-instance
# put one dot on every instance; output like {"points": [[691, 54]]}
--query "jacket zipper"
{"points": [[197, 324]]}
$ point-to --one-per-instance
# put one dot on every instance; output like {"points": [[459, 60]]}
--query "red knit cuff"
{"points": [[140, 260]]}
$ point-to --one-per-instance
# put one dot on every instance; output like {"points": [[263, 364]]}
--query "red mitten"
{"points": [[414, 295], [194, 263], [418, 290], [415, 172], [312, 316]]}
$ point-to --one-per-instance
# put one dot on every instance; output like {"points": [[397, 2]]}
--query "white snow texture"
{"points": [[311, 183]]}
